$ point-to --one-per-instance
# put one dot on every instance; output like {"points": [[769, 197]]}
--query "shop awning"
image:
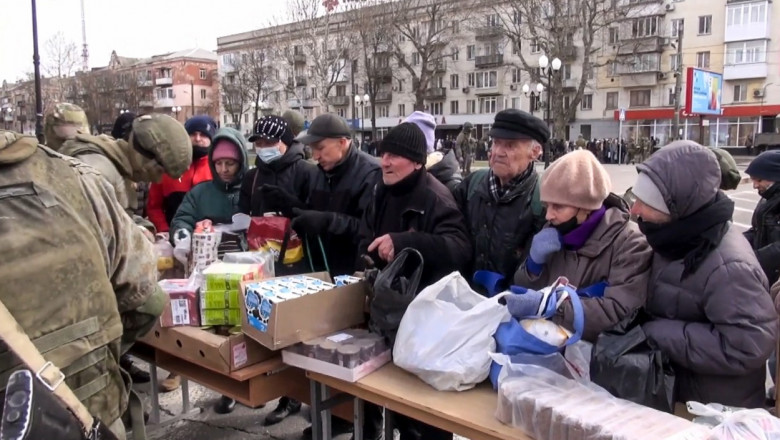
{"points": [[730, 111]]}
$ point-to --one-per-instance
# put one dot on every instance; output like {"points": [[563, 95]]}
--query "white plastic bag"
{"points": [[446, 334], [736, 423]]}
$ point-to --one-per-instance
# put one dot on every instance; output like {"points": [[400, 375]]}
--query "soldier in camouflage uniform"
{"points": [[63, 123], [464, 148], [78, 274]]}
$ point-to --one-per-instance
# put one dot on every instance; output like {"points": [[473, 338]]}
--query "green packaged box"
{"points": [[219, 299], [220, 317], [228, 276]]}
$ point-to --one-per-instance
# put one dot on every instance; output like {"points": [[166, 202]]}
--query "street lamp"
{"points": [[176, 109], [9, 115], [547, 67], [123, 111], [534, 95], [362, 101]]}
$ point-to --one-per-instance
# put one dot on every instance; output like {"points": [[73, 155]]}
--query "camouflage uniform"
{"points": [[464, 148], [64, 115], [78, 275]]}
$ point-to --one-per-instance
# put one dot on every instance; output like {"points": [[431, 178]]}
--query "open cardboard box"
{"points": [[290, 357], [223, 354], [310, 316]]}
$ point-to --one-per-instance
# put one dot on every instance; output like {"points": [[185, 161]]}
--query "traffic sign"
{"points": [[622, 116]]}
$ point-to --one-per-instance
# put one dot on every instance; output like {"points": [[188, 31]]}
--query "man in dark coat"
{"points": [[411, 209], [764, 235], [708, 297]]}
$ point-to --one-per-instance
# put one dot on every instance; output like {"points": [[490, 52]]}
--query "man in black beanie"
{"points": [[411, 209], [122, 126], [764, 235]]}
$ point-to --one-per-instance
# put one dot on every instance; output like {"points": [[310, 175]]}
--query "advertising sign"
{"points": [[703, 92]]}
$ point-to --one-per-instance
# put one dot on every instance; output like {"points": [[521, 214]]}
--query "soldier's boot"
{"points": [[138, 375], [171, 383]]}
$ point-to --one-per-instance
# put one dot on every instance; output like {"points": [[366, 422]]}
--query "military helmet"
{"points": [[63, 122], [295, 121], [165, 140], [468, 126]]}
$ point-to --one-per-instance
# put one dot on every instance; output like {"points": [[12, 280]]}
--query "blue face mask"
{"points": [[268, 154]]}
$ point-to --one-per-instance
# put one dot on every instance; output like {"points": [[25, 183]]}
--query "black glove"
{"points": [[311, 222], [280, 200]]}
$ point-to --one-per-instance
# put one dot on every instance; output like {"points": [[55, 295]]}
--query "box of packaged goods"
{"points": [[348, 355], [283, 311], [219, 299], [230, 317], [221, 276], [182, 307]]}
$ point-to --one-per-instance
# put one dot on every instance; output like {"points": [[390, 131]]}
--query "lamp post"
{"points": [[362, 101], [176, 109], [549, 67], [8, 115], [535, 95]]}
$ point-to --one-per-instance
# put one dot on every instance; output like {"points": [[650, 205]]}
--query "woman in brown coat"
{"points": [[590, 240]]}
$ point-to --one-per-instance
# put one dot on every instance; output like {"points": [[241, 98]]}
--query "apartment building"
{"points": [[634, 74]]}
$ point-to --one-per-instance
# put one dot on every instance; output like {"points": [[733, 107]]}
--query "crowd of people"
{"points": [[78, 237]]}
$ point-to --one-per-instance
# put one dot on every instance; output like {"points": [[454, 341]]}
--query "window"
{"points": [[487, 104], [587, 102], [740, 92], [483, 80], [341, 90], [453, 107], [471, 51], [225, 118], [746, 52], [202, 93], [639, 98], [746, 14], [674, 62], [401, 109], [515, 48], [644, 27], [516, 103], [566, 71], [516, 75], [342, 112], [246, 118], [612, 100], [454, 81], [455, 26], [400, 85], [383, 111], [202, 73], [165, 93], [705, 24], [471, 106], [613, 35], [517, 18], [437, 108], [703, 60], [671, 96], [646, 62], [535, 46], [455, 54], [677, 27], [492, 20], [612, 69], [415, 59]]}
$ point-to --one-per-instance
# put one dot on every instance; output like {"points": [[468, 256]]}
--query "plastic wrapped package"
{"points": [[264, 258], [546, 405], [736, 423]]}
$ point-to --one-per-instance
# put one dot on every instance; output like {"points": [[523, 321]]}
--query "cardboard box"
{"points": [[228, 276], [182, 307], [300, 319], [220, 316], [223, 354], [289, 357], [219, 299]]}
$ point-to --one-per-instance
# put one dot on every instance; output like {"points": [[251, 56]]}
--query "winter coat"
{"points": [[430, 222], [617, 253], [499, 230], [86, 289], [346, 191], [764, 235], [718, 325], [290, 172], [214, 200], [447, 171], [166, 196]]}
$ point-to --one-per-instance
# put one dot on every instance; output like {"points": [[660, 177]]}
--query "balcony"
{"points": [[568, 53], [745, 71], [295, 103], [384, 96], [146, 103], [641, 45], [570, 84], [145, 82], [340, 100], [165, 81], [163, 102], [298, 81], [299, 58], [486, 91], [8, 118], [436, 93], [439, 66], [488, 60], [639, 79], [488, 32], [384, 74]]}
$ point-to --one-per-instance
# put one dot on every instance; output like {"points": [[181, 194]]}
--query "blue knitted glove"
{"points": [[545, 243], [523, 305]]}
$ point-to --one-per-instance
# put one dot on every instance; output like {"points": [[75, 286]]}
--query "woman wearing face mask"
{"points": [[588, 239]]}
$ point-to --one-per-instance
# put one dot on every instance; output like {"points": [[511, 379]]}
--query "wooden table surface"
{"points": [[466, 413]]}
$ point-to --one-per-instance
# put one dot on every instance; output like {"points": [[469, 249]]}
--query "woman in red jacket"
{"points": [[166, 196]]}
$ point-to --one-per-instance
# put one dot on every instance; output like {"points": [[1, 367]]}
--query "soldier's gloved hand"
{"points": [[278, 199], [544, 244], [311, 222]]}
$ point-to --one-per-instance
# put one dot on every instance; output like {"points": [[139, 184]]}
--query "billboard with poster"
{"points": [[703, 92]]}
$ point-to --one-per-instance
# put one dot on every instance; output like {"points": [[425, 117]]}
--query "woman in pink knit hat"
{"points": [[588, 239]]}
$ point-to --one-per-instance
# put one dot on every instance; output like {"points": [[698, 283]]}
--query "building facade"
{"points": [[629, 90]]}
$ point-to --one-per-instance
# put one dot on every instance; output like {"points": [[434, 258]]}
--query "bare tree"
{"points": [[236, 87], [60, 60], [429, 30], [576, 32]]}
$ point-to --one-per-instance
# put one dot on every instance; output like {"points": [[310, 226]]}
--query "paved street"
{"points": [[245, 423]]}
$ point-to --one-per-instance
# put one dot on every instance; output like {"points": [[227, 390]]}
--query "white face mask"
{"points": [[268, 154]]}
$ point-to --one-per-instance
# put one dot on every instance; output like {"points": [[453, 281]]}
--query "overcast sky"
{"points": [[134, 28]]}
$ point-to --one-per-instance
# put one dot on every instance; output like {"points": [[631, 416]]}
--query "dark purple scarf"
{"points": [[577, 238]]}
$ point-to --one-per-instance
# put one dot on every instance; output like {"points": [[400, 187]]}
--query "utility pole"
{"points": [[678, 85], [37, 69]]}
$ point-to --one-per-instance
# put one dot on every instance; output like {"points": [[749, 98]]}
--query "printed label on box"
{"points": [[258, 310], [339, 337], [239, 355], [180, 312]]}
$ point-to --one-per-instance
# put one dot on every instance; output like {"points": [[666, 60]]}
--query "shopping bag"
{"points": [[393, 290], [515, 337], [446, 334], [274, 233], [625, 364], [735, 423]]}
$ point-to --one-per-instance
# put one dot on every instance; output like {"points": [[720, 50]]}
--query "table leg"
{"points": [[316, 415], [154, 417], [389, 424], [185, 396], [327, 434], [358, 419]]}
